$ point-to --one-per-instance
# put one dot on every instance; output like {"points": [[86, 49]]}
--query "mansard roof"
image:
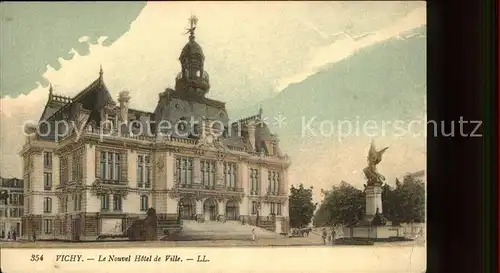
{"points": [[186, 96], [94, 97]]}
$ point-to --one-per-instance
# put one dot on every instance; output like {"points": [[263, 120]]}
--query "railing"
{"points": [[255, 193], [113, 182], [144, 185]]}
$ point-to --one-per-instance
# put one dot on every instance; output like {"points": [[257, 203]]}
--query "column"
{"points": [[283, 186], [251, 135], [199, 210], [55, 171], [219, 174], [169, 169], [196, 171], [172, 206], [132, 168], [160, 170], [378, 199], [263, 180], [221, 205], [243, 182], [89, 164]]}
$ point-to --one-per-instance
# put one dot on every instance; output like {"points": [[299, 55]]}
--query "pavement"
{"points": [[313, 240]]}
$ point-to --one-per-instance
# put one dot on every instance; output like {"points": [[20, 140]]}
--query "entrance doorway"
{"points": [[187, 209], [210, 210], [75, 229], [232, 210]]}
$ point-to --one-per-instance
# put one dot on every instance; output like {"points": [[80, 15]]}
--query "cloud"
{"points": [[245, 54], [344, 161], [344, 48]]}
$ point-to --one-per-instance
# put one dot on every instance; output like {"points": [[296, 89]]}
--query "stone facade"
{"points": [[101, 176]]}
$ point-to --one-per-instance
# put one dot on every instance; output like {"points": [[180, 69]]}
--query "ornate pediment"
{"points": [[160, 163], [98, 188]]}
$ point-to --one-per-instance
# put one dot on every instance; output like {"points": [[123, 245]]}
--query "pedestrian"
{"points": [[323, 236], [14, 235], [8, 235], [3, 234], [34, 236], [254, 237]]}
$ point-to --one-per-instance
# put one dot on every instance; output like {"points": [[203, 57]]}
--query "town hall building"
{"points": [[107, 164]]}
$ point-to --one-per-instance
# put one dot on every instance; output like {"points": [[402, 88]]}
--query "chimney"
{"points": [[251, 135], [124, 99]]}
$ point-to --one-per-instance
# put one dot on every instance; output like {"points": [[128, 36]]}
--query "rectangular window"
{"points": [[47, 160], [117, 202], [273, 208], [254, 181], [277, 183], [76, 202], [143, 171], [208, 169], [47, 181], [274, 182], [47, 205], [184, 166], [110, 166], [47, 226], [147, 180], [140, 171], [254, 207], [105, 202], [63, 171], [269, 183], [230, 174], [66, 199], [77, 165], [112, 123], [278, 208], [117, 171], [144, 203], [102, 165], [28, 181]]}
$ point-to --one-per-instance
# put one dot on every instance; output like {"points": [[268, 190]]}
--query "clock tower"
{"points": [[193, 78]]}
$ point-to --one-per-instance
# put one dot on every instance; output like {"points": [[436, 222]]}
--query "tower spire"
{"points": [[193, 20], [100, 72], [51, 90]]}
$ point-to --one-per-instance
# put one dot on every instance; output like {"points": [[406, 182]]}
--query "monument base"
{"points": [[374, 232]]}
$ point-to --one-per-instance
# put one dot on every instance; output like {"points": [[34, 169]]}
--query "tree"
{"points": [[405, 202], [301, 206], [411, 198], [343, 204]]}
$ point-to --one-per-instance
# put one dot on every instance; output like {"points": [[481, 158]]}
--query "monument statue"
{"points": [[193, 20], [374, 158]]}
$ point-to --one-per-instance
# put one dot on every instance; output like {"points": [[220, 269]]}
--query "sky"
{"points": [[253, 51]]}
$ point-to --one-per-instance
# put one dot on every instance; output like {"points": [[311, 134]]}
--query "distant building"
{"points": [[99, 180], [11, 206]]}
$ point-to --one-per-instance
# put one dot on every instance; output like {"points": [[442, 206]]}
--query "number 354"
{"points": [[36, 258]]}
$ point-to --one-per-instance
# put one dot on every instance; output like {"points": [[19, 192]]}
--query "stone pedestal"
{"points": [[373, 195]]}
